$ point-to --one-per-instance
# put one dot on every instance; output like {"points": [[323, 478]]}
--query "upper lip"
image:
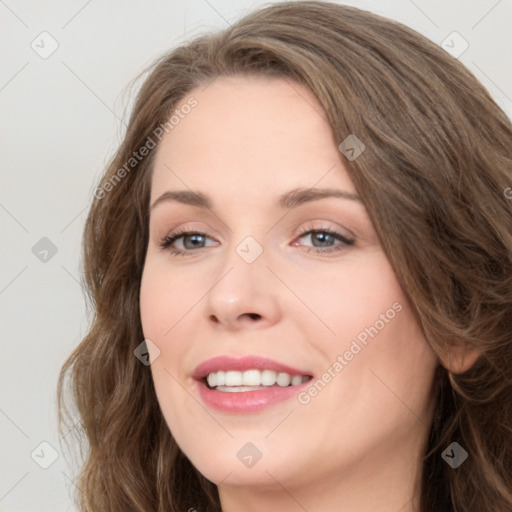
{"points": [[226, 363]]}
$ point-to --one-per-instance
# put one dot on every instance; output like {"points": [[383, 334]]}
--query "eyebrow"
{"points": [[290, 199]]}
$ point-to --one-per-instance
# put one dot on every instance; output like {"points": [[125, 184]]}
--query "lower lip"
{"points": [[247, 401]]}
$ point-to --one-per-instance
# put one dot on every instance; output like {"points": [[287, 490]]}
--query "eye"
{"points": [[321, 238], [191, 240], [325, 238]]}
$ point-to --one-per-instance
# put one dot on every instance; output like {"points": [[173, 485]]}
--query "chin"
{"points": [[244, 460]]}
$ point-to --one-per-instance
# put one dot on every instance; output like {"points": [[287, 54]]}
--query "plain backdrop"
{"points": [[62, 117]]}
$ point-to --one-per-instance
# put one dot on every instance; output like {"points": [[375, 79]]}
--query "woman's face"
{"points": [[285, 274]]}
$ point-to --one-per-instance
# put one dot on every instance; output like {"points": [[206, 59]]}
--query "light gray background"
{"points": [[62, 117]]}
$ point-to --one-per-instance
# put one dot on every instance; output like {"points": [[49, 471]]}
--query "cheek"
{"points": [[376, 333], [163, 304], [352, 296], [387, 363], [163, 300]]}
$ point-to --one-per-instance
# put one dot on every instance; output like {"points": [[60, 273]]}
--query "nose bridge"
{"points": [[240, 289], [243, 264], [249, 250], [245, 241]]}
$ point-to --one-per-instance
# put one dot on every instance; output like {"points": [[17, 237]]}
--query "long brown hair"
{"points": [[434, 178]]}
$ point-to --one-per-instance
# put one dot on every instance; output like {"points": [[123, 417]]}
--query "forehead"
{"points": [[249, 134]]}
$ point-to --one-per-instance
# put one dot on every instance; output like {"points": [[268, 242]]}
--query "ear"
{"points": [[459, 357]]}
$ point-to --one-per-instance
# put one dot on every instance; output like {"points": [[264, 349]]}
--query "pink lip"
{"points": [[247, 401]]}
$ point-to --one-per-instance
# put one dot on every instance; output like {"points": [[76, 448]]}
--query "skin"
{"points": [[358, 443]]}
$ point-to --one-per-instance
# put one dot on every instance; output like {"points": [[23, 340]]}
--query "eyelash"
{"points": [[165, 243]]}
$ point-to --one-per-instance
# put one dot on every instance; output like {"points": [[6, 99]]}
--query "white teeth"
{"points": [[283, 379], [268, 377], [234, 381], [296, 380], [233, 378], [234, 389], [221, 378], [212, 379], [251, 378]]}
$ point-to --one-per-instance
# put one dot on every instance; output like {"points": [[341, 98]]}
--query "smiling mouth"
{"points": [[233, 381]]}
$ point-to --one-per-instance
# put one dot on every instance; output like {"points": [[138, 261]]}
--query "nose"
{"points": [[244, 295]]}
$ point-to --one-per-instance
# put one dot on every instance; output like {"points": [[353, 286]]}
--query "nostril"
{"points": [[254, 316]]}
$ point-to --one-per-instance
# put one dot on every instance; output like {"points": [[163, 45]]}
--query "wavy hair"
{"points": [[435, 178]]}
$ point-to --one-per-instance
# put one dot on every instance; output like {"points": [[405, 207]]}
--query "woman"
{"points": [[300, 265]]}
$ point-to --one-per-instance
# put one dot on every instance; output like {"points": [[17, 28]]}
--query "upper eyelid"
{"points": [[181, 232], [300, 230]]}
